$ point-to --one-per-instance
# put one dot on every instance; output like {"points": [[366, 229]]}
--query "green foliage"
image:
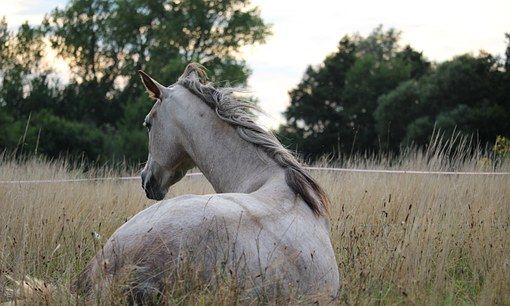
{"points": [[373, 95], [12, 130], [332, 109], [502, 146], [107, 39], [69, 138], [98, 113], [317, 109], [463, 94], [404, 99]]}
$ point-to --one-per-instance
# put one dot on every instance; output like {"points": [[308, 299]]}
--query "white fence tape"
{"points": [[128, 178], [407, 171]]}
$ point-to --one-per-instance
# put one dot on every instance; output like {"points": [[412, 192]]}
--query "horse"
{"points": [[266, 227]]}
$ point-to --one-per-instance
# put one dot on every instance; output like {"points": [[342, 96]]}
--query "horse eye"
{"points": [[147, 125]]}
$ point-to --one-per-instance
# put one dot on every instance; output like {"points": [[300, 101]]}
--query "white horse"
{"points": [[267, 225]]}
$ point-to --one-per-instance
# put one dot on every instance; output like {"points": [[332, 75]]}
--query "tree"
{"points": [[464, 95], [374, 95], [391, 124], [331, 110], [107, 39], [20, 56], [317, 107], [23, 82], [105, 42]]}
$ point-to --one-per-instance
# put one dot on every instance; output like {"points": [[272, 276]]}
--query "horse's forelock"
{"points": [[194, 71]]}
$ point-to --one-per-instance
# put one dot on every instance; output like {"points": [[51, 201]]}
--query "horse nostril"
{"points": [[152, 190]]}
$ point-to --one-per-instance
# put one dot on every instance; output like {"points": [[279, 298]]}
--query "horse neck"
{"points": [[228, 162]]}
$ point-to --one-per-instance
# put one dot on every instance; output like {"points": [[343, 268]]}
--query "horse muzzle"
{"points": [[151, 187]]}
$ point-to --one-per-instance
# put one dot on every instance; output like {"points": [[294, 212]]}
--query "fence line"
{"points": [[406, 171], [128, 178]]}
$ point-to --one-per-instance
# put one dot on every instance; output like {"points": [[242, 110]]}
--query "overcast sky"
{"points": [[305, 32]]}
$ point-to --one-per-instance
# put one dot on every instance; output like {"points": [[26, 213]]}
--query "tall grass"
{"points": [[399, 238]]}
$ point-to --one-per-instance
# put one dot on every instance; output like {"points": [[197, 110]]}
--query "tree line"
{"points": [[372, 94], [97, 115]]}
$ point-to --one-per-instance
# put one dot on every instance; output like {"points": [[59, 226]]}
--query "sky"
{"points": [[305, 32]]}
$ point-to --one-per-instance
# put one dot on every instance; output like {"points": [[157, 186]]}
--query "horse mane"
{"points": [[239, 114]]}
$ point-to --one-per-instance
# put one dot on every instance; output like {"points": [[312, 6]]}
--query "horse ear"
{"points": [[154, 89]]}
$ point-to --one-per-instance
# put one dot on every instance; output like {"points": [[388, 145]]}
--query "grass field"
{"points": [[399, 238]]}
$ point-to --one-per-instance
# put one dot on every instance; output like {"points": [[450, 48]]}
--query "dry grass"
{"points": [[399, 238]]}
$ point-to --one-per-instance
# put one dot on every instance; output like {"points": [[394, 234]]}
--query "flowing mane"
{"points": [[238, 113]]}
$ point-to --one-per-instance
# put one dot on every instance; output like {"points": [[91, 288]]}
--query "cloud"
{"points": [[19, 11]]}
